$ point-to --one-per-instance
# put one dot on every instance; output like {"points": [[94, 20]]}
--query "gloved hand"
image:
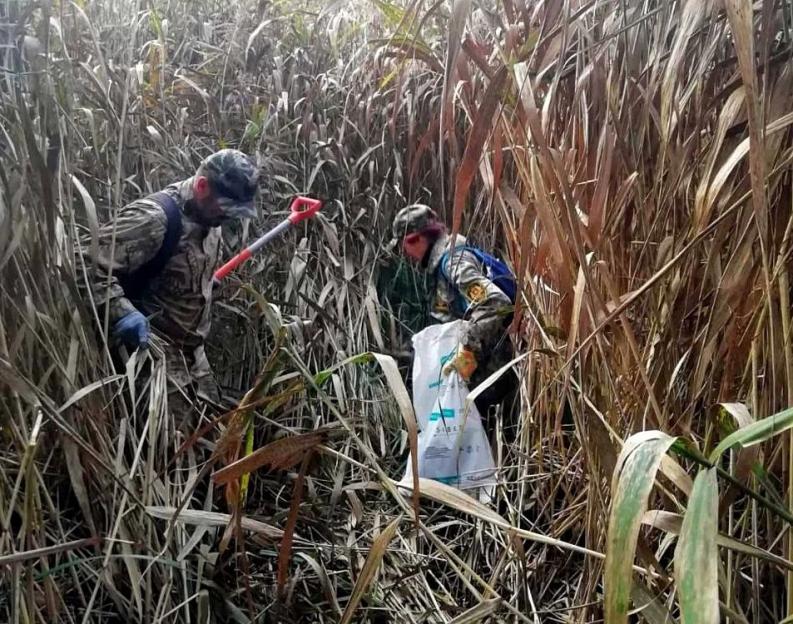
{"points": [[133, 330], [464, 363]]}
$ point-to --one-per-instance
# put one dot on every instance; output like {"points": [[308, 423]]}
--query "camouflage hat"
{"points": [[233, 177], [413, 218]]}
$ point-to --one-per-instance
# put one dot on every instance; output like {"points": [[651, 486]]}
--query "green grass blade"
{"points": [[755, 433], [633, 480], [696, 555]]}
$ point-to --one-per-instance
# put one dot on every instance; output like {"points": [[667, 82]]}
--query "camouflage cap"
{"points": [[234, 178], [413, 218]]}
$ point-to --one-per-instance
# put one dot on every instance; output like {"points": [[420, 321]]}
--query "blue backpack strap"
{"points": [[459, 304], [443, 264], [137, 282], [498, 272]]}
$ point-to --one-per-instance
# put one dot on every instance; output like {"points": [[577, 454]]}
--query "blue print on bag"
{"points": [[444, 414]]}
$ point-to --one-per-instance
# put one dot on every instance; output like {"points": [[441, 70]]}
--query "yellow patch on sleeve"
{"points": [[476, 293], [440, 306]]}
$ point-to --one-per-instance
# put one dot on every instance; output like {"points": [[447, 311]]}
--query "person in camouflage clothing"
{"points": [[154, 264], [462, 290]]}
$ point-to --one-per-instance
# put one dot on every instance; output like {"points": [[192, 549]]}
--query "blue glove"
{"points": [[133, 330]]}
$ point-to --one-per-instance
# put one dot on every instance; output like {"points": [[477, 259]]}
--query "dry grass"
{"points": [[635, 155]]}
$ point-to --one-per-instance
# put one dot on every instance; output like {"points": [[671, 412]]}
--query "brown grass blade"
{"points": [[285, 548], [739, 14], [46, 551], [482, 126], [478, 613], [397, 386], [213, 519], [370, 566], [693, 13], [279, 455]]}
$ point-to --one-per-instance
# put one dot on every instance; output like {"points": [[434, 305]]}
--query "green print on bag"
{"points": [[444, 414], [444, 359]]}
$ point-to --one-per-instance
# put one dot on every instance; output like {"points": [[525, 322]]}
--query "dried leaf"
{"points": [[285, 548], [479, 613], [739, 13], [279, 455], [483, 124], [693, 13], [397, 387], [213, 519], [373, 559]]}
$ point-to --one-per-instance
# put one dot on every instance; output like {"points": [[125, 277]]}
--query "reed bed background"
{"points": [[634, 155]]}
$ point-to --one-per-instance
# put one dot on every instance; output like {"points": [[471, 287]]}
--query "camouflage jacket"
{"points": [[177, 300], [462, 290]]}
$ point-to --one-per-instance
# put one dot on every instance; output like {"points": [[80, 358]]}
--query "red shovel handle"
{"points": [[232, 264], [303, 208]]}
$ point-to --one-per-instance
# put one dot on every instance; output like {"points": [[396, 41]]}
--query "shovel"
{"points": [[302, 208]]}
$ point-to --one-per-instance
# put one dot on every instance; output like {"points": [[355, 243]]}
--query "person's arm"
{"points": [[139, 233], [488, 308]]}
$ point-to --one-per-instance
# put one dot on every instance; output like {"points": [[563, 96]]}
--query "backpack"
{"points": [[136, 283], [495, 270]]}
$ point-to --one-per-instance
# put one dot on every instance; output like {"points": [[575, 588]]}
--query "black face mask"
{"points": [[215, 221], [425, 261]]}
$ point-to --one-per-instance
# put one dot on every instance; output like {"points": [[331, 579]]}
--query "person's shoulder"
{"points": [[445, 248], [466, 251], [179, 191], [153, 203], [463, 254], [146, 210]]}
